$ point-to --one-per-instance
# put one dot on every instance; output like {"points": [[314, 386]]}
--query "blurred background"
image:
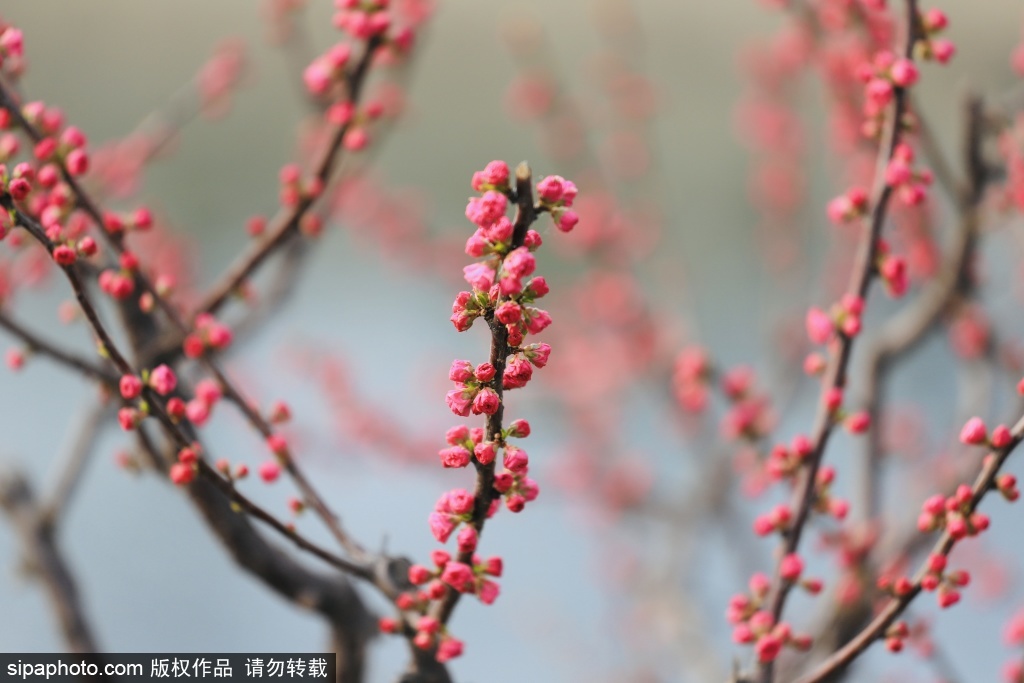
{"points": [[152, 577]]}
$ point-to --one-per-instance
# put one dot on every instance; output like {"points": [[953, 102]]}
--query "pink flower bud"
{"points": [[456, 456], [467, 539], [974, 432], [791, 567], [269, 471], [1001, 437], [163, 380], [819, 326], [182, 474], [130, 386]]}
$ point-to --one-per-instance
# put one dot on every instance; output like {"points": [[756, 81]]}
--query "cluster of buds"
{"points": [[750, 416], [504, 291], [855, 423], [294, 188], [975, 433], [892, 269], [12, 49], [910, 185], [947, 584], [209, 334], [753, 625], [843, 316], [955, 514], [934, 22], [882, 76], [849, 206], [691, 376]]}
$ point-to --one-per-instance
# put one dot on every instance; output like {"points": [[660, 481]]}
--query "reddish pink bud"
{"points": [[277, 444], [449, 649], [943, 50], [519, 429], [467, 539], [974, 432], [948, 598], [130, 386], [456, 456], [819, 326], [493, 566], [486, 402], [187, 455], [484, 372], [176, 408], [485, 452], [163, 380], [858, 423], [1001, 437], [270, 471], [904, 73], [791, 567], [77, 162], [64, 255], [182, 474], [387, 625], [767, 648]]}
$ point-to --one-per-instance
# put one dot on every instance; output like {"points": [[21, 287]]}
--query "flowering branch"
{"points": [[42, 554], [834, 380], [286, 224], [37, 344], [967, 500]]}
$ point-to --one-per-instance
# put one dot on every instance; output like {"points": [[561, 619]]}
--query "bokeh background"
{"points": [[151, 576]]}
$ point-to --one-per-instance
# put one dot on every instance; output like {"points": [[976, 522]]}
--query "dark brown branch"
{"points": [[835, 373], [983, 484], [42, 555], [81, 446], [39, 345], [910, 326], [285, 225], [485, 493]]}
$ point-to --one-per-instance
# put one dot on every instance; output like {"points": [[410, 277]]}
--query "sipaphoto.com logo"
{"points": [[61, 669]]}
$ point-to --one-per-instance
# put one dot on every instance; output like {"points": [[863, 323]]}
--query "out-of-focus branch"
{"points": [[285, 225], [39, 345], [41, 554], [835, 373], [909, 328], [82, 442], [983, 484]]}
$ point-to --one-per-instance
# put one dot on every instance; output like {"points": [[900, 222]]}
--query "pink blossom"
{"points": [[819, 326], [441, 526], [459, 576], [516, 460], [269, 471], [480, 276], [486, 210], [456, 456], [460, 501], [550, 189], [130, 386], [449, 649], [488, 592], [974, 432], [520, 262], [467, 539], [163, 380], [460, 371], [485, 402], [459, 401]]}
